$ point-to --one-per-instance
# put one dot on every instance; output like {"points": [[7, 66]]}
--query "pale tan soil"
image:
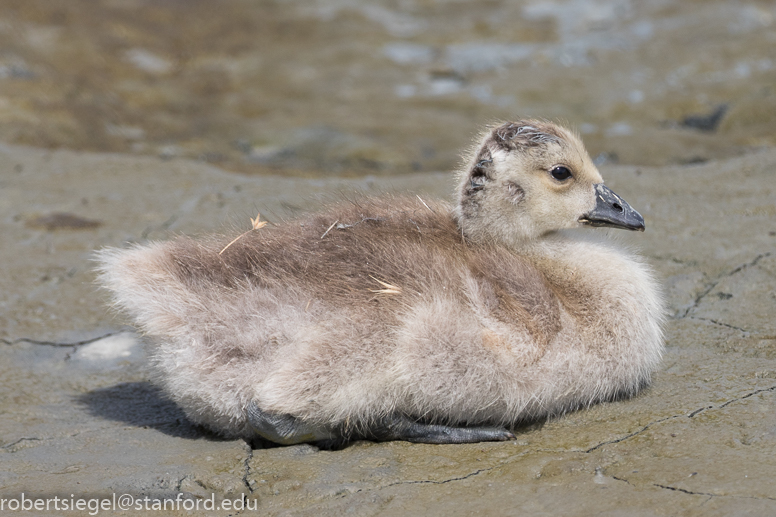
{"points": [[190, 94], [79, 415]]}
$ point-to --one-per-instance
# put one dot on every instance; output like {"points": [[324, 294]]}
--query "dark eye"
{"points": [[561, 173]]}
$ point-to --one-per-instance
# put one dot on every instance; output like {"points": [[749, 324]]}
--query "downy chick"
{"points": [[407, 319]]}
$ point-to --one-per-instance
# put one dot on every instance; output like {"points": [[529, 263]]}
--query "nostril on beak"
{"points": [[617, 207]]}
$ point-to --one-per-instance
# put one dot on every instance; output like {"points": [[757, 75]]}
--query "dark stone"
{"points": [[709, 122], [63, 221]]}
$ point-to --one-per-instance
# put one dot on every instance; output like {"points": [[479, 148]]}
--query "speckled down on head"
{"points": [[410, 318]]}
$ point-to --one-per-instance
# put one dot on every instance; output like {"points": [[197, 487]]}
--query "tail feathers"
{"points": [[143, 286], [191, 365]]}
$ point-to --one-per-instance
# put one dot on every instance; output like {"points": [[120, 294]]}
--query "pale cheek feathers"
{"points": [[515, 193]]}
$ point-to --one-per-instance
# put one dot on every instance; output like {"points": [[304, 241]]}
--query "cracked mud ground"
{"points": [[79, 414]]}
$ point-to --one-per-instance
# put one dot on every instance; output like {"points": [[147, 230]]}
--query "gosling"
{"points": [[396, 318]]}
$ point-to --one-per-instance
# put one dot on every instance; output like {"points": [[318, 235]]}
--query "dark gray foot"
{"points": [[397, 427], [285, 429], [288, 430]]}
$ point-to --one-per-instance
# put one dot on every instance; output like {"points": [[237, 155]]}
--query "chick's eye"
{"points": [[561, 173]]}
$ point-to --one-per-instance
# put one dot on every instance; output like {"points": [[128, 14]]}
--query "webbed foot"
{"points": [[285, 429], [399, 427]]}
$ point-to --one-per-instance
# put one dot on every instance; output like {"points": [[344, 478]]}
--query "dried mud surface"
{"points": [[134, 120], [79, 414]]}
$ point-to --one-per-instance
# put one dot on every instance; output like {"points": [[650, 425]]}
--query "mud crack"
{"points": [[631, 435], [20, 440], [721, 324], [433, 481], [710, 287], [9, 446], [691, 414], [179, 484], [707, 494], [73, 345], [247, 465], [682, 490], [55, 344], [693, 492], [442, 481], [751, 394]]}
